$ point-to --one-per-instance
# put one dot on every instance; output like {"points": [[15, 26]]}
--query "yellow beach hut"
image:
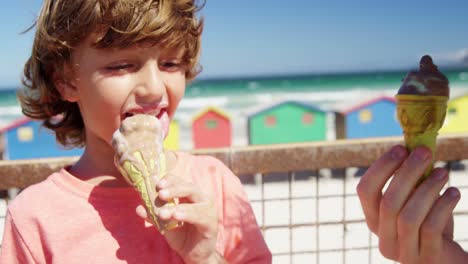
{"points": [[457, 113], [172, 140]]}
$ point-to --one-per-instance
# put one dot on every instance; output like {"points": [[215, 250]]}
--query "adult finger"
{"points": [[415, 211], [370, 186], [440, 215], [395, 197], [448, 229]]}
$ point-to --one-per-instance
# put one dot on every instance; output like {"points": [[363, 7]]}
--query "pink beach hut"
{"points": [[211, 128]]}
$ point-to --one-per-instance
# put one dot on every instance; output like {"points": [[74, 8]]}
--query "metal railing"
{"points": [[303, 195]]}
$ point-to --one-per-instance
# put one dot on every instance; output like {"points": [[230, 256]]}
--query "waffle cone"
{"points": [[421, 117], [139, 177]]}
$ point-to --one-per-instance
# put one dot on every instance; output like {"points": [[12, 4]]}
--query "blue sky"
{"points": [[269, 37]]}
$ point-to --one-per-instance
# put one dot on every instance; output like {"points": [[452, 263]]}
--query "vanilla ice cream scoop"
{"points": [[139, 156]]}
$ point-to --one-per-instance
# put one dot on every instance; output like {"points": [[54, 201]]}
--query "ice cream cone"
{"points": [[421, 107], [421, 117], [140, 158]]}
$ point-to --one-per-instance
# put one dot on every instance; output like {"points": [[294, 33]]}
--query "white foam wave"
{"points": [[240, 105], [10, 110], [190, 103]]}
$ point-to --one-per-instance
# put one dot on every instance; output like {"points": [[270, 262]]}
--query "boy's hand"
{"points": [[195, 240], [414, 224]]}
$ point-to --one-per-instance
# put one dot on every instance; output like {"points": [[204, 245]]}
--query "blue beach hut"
{"points": [[372, 118], [27, 139]]}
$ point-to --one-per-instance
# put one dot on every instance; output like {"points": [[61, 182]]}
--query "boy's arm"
{"points": [[14, 249], [243, 240]]}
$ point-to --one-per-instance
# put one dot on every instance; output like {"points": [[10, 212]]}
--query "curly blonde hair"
{"points": [[63, 24]]}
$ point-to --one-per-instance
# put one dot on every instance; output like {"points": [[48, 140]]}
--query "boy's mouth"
{"points": [[158, 113]]}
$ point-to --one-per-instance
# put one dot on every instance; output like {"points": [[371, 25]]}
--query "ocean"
{"points": [[238, 97]]}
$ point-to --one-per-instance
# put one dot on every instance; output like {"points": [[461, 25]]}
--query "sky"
{"points": [[273, 37]]}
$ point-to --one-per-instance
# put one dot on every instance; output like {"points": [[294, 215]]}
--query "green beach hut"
{"points": [[286, 122], [457, 111]]}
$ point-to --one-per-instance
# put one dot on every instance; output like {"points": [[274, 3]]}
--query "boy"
{"points": [[414, 224], [94, 63]]}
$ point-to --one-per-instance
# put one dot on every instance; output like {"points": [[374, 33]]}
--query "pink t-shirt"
{"points": [[66, 220]]}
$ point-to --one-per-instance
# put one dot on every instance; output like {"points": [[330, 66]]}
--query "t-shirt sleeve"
{"points": [[14, 249], [243, 240]]}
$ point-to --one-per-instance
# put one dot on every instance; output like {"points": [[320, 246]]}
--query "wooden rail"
{"points": [[259, 159]]}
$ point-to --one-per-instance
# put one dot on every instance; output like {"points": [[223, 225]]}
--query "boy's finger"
{"points": [[141, 212], [396, 195], [201, 215], [415, 211], [434, 224], [370, 187], [169, 180], [184, 190], [164, 213]]}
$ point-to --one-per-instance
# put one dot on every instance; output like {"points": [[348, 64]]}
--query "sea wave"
{"points": [[10, 110], [241, 105]]}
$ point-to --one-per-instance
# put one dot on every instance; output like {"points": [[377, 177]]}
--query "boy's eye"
{"points": [[119, 67], [170, 65]]}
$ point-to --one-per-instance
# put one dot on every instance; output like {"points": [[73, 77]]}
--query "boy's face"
{"points": [[110, 85]]}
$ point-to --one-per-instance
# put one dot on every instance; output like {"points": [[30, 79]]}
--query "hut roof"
{"points": [[211, 109], [16, 123], [366, 103], [266, 108]]}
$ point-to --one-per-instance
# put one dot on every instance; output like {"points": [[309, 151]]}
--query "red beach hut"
{"points": [[211, 128]]}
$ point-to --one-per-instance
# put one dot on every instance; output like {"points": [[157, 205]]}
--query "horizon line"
{"points": [[279, 75]]}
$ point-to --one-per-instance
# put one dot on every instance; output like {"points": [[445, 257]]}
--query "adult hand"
{"points": [[414, 223]]}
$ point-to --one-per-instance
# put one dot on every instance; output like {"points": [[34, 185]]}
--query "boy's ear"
{"points": [[66, 88]]}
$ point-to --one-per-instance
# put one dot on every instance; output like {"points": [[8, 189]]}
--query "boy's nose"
{"points": [[151, 83]]}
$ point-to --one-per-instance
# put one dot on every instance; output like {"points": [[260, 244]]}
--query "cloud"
{"points": [[458, 57]]}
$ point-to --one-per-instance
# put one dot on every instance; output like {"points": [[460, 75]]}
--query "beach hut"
{"points": [[457, 112], [286, 122], [372, 118], [211, 128], [27, 139], [172, 139]]}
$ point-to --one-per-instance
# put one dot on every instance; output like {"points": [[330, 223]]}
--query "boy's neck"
{"points": [[96, 166]]}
